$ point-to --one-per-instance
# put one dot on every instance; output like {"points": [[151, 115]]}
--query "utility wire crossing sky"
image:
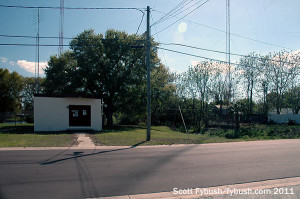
{"points": [[194, 27]]}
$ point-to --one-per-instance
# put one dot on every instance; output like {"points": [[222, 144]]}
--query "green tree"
{"points": [[28, 91], [284, 71], [109, 66], [10, 91], [163, 100], [250, 72], [292, 99], [60, 74]]}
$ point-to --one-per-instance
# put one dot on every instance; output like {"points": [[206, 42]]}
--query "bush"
{"points": [[29, 119], [232, 134], [291, 122], [272, 122], [125, 119]]}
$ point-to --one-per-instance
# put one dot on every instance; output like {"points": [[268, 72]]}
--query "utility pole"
{"points": [[148, 76]]}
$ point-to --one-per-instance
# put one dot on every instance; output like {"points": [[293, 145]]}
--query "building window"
{"points": [[75, 113]]}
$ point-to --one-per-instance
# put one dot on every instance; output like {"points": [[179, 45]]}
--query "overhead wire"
{"points": [[159, 42], [55, 37], [140, 23], [222, 52], [178, 12], [71, 8], [183, 17], [167, 15], [234, 34], [212, 59], [55, 45]]}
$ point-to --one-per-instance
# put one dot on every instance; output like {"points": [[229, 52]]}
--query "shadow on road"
{"points": [[86, 181], [80, 154], [88, 184]]}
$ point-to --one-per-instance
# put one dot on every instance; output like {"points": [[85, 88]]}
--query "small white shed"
{"points": [[63, 113]]}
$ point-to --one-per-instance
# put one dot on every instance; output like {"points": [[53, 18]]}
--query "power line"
{"points": [[178, 12], [6, 44], [222, 52], [55, 37], [71, 8], [140, 24], [234, 34], [55, 45], [32, 37], [187, 8], [159, 42], [183, 17], [215, 60], [183, 53], [198, 48], [167, 16]]}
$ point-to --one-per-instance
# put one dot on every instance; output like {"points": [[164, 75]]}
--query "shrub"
{"points": [[29, 119], [272, 122], [291, 122], [231, 134]]}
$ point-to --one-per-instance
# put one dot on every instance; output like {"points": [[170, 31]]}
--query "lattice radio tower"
{"points": [[61, 28], [228, 48]]}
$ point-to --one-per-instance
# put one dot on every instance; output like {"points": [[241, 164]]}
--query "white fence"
{"points": [[283, 118]]}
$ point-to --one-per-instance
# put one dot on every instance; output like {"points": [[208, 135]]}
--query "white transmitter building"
{"points": [[67, 113]]}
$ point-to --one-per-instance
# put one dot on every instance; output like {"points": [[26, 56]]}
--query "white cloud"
{"points": [[30, 66], [12, 63], [3, 59]]}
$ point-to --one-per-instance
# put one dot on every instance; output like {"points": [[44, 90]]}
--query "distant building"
{"points": [[62, 113], [225, 109], [282, 111], [285, 115]]}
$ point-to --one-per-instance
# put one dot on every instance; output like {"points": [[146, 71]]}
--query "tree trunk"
{"points": [[109, 117], [251, 101]]}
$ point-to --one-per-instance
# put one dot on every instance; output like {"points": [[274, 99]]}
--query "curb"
{"points": [[104, 147]]}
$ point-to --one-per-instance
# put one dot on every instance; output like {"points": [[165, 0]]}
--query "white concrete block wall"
{"points": [[283, 118], [52, 113]]}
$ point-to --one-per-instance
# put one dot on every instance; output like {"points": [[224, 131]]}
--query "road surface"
{"points": [[123, 171]]}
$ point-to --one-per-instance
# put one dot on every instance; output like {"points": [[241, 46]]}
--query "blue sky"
{"points": [[270, 21]]}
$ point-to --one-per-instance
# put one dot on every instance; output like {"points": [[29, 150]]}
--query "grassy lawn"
{"points": [[162, 135], [22, 135]]}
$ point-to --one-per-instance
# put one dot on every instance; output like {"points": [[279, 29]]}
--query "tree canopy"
{"points": [[11, 85], [110, 66]]}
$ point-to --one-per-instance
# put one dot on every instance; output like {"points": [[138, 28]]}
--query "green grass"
{"points": [[259, 131], [22, 135], [162, 135]]}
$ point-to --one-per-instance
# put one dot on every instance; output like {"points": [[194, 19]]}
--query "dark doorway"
{"points": [[79, 115]]}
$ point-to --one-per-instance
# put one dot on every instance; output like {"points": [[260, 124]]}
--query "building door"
{"points": [[79, 115]]}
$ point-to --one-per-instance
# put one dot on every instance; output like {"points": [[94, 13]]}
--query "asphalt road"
{"points": [[96, 173]]}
